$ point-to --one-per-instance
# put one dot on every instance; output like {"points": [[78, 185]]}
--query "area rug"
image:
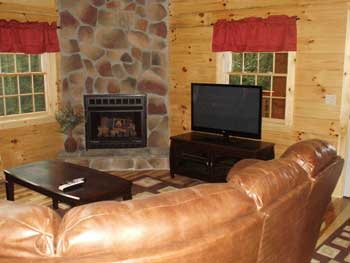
{"points": [[336, 248], [144, 186]]}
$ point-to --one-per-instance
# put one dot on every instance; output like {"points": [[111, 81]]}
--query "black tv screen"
{"points": [[227, 109]]}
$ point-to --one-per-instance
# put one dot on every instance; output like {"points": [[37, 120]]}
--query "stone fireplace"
{"points": [[116, 47], [115, 121]]}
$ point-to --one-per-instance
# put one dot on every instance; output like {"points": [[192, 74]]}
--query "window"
{"points": [[24, 82], [271, 70]]}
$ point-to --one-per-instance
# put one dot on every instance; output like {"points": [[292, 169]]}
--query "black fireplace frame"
{"points": [[103, 102]]}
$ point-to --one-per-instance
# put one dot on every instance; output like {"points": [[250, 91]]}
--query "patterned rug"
{"points": [[336, 248], [144, 186]]}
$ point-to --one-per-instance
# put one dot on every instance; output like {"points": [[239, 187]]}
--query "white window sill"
{"points": [[16, 121]]}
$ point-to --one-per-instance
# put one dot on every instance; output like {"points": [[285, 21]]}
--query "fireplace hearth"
{"points": [[115, 121]]}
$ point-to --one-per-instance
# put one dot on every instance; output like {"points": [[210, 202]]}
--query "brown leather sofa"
{"points": [[268, 212]]}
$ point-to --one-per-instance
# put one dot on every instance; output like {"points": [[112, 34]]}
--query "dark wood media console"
{"points": [[209, 157]]}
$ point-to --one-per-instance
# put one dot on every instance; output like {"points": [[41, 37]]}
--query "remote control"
{"points": [[71, 184]]}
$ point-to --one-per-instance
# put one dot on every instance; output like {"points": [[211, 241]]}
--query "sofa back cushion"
{"points": [[266, 181], [27, 230], [313, 155], [200, 222]]}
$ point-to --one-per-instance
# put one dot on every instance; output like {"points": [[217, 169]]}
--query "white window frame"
{"points": [[48, 63], [223, 68]]}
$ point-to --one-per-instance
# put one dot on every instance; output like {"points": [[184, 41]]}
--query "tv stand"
{"points": [[209, 157], [226, 137]]}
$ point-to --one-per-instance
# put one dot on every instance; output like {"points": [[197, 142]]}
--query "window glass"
{"points": [[281, 63], [250, 62], [27, 103], [265, 82], [248, 80], [1, 89], [25, 84], [1, 106], [237, 59], [10, 83], [35, 63], [12, 105], [266, 107], [265, 62], [235, 79], [266, 69], [22, 63], [7, 63], [22, 85], [38, 83], [278, 108], [279, 86], [39, 102]]}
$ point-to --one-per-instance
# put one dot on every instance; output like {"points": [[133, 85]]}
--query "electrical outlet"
{"points": [[330, 99]]}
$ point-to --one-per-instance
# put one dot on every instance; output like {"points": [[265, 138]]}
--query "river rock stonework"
{"points": [[107, 46]]}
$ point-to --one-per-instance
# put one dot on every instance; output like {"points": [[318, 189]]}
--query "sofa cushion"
{"points": [[267, 181], [313, 155], [27, 230], [141, 228]]}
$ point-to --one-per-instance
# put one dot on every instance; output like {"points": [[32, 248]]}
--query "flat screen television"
{"points": [[227, 109]]}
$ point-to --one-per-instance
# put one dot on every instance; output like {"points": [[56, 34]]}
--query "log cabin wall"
{"points": [[32, 142], [321, 31]]}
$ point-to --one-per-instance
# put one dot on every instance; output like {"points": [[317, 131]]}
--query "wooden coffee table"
{"points": [[45, 176]]}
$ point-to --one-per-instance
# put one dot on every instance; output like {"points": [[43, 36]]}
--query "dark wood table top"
{"points": [[46, 176]]}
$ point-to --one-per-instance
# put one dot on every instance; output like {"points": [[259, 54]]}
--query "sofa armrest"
{"points": [[27, 230], [266, 181], [312, 155]]}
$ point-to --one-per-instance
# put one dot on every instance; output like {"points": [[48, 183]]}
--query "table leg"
{"points": [[9, 190], [54, 203], [127, 196]]}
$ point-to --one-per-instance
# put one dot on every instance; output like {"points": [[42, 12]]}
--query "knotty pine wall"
{"points": [[31, 142], [320, 56]]}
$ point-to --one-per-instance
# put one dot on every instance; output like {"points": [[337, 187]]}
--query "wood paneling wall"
{"points": [[29, 10], [319, 63], [31, 142]]}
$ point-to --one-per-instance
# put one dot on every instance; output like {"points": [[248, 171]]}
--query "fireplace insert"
{"points": [[115, 121]]}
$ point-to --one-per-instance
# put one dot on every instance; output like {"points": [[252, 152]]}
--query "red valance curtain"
{"points": [[29, 37], [275, 33]]}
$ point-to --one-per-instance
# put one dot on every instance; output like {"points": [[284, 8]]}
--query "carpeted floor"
{"points": [[336, 248]]}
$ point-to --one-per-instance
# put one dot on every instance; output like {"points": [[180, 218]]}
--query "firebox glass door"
{"points": [[115, 121], [111, 126]]}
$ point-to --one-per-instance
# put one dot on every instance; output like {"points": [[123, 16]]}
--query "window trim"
{"points": [[50, 78], [223, 68]]}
